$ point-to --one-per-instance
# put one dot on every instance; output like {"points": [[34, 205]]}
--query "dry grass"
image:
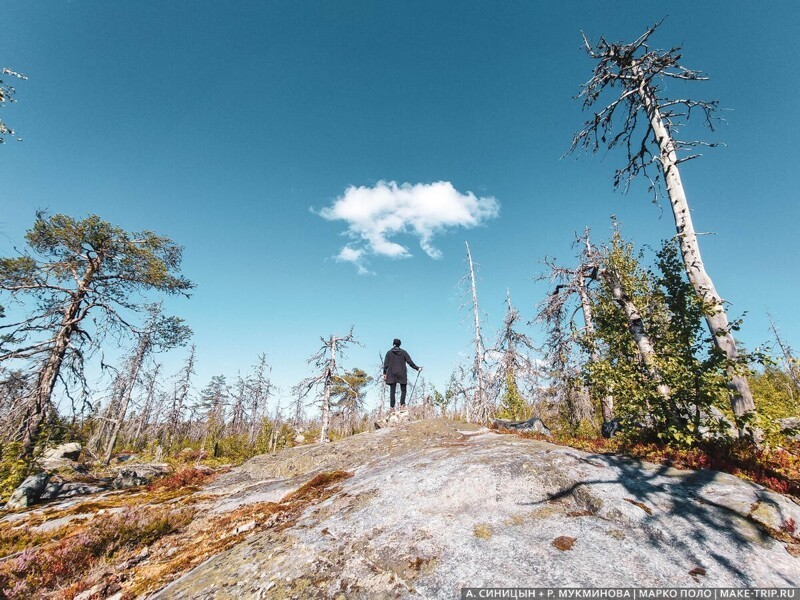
{"points": [[35, 561], [215, 534], [76, 548], [775, 468], [136, 541]]}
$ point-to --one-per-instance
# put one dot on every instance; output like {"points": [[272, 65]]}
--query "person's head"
{"points": [[396, 342]]}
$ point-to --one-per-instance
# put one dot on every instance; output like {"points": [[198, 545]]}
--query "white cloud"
{"points": [[375, 214], [355, 256]]}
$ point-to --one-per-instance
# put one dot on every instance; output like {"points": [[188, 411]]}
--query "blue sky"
{"points": [[232, 129]]}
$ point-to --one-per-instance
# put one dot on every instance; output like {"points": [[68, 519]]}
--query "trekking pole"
{"points": [[413, 387]]}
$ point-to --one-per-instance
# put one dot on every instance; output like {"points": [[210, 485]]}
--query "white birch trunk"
{"points": [[636, 327], [607, 401]]}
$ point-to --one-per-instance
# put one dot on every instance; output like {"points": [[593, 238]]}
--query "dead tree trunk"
{"points": [[789, 360], [325, 362], [479, 409], [636, 71], [260, 391], [716, 317], [136, 362], [326, 392], [147, 407], [179, 399]]}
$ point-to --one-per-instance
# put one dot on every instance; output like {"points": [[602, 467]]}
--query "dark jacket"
{"points": [[394, 365]]}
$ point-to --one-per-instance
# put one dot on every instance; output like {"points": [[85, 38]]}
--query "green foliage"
{"points": [[12, 469], [686, 361], [347, 395], [777, 396], [441, 401], [512, 404], [82, 279]]}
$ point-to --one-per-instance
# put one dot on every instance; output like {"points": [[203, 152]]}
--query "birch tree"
{"points": [[614, 274], [76, 269], [634, 75]]}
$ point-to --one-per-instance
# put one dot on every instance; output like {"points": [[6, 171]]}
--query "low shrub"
{"points": [[35, 571]]}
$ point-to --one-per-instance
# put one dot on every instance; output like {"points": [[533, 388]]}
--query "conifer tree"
{"points": [[73, 270]]}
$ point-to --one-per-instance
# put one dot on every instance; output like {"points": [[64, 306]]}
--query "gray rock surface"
{"points": [[134, 475], [434, 506], [534, 424], [28, 492], [70, 451], [394, 418], [789, 423], [69, 489]]}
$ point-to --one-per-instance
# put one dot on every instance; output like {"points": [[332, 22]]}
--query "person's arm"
{"points": [[385, 365], [411, 362]]}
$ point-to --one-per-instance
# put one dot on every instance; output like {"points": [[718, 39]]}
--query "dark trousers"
{"points": [[392, 389]]}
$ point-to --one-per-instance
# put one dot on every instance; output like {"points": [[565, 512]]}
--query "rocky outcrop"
{"points": [[394, 418], [70, 451], [534, 424], [69, 489], [135, 475], [28, 492], [790, 427], [61, 457], [434, 506]]}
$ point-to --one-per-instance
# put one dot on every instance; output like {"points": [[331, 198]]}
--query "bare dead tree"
{"points": [[259, 386], [558, 313], [159, 333], [7, 92], [181, 394], [513, 349], [479, 408], [238, 398], [277, 423], [148, 407], [789, 361], [326, 374], [459, 387], [648, 134]]}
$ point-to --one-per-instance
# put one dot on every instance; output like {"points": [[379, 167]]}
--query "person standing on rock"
{"points": [[394, 372]]}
